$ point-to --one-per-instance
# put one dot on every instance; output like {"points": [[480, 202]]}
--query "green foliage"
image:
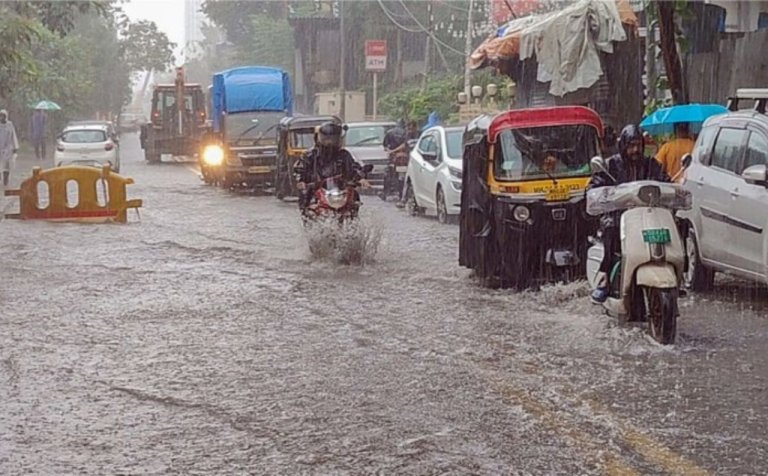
{"points": [[270, 45], [414, 103], [69, 52], [145, 48]]}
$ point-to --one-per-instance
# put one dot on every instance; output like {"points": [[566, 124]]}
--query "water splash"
{"points": [[353, 242]]}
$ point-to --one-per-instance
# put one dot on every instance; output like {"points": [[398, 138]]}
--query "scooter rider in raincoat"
{"points": [[629, 165], [326, 159]]}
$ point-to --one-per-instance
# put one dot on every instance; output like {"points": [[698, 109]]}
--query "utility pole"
{"points": [[468, 49], [342, 65], [428, 46]]}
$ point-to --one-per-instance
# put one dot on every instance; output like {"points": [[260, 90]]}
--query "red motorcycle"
{"points": [[334, 199]]}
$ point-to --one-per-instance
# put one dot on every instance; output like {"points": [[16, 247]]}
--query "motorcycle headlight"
{"points": [[521, 213], [336, 199], [213, 155]]}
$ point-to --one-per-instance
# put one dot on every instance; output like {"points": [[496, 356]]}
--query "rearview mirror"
{"points": [[429, 156], [756, 175], [687, 160], [598, 164], [367, 168]]}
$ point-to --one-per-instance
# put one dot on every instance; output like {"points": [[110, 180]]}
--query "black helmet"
{"points": [[328, 135], [631, 133]]}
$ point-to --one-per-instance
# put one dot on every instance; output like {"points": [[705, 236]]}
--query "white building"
{"points": [[193, 22]]}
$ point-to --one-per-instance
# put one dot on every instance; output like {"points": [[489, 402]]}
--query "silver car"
{"points": [[364, 140], [728, 179]]}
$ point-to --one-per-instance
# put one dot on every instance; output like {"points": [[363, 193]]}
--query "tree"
{"points": [[146, 48], [668, 43], [24, 23]]}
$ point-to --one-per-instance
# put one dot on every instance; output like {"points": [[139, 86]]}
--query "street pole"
{"points": [[342, 66], [428, 46], [375, 93], [468, 49]]}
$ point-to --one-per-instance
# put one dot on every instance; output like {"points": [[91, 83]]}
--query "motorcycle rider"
{"points": [[396, 144], [628, 165], [326, 159]]}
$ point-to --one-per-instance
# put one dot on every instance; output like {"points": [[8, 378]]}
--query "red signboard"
{"points": [[375, 55]]}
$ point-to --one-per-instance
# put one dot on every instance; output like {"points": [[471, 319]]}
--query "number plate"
{"points": [[657, 236], [557, 195], [401, 168], [260, 169]]}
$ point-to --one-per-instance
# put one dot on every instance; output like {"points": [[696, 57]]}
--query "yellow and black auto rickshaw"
{"points": [[523, 219], [295, 136]]}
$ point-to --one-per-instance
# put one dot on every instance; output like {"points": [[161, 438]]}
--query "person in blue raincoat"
{"points": [[432, 120]]}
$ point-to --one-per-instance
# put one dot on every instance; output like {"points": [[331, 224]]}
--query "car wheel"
{"points": [[697, 277], [442, 209]]}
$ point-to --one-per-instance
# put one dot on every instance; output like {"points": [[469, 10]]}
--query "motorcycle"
{"points": [[394, 181], [646, 276], [332, 199]]}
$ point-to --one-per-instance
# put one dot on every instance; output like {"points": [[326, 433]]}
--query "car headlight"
{"points": [[456, 173], [521, 213], [213, 155]]}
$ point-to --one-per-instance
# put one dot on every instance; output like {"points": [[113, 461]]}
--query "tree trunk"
{"points": [[672, 63]]}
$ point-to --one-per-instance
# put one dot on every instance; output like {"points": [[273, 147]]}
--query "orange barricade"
{"points": [[50, 195]]}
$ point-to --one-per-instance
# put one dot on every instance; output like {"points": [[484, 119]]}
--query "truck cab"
{"points": [[177, 120]]}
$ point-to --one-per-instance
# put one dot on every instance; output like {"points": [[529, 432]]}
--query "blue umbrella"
{"points": [[663, 120]]}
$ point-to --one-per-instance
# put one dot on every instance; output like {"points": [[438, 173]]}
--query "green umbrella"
{"points": [[47, 106]]}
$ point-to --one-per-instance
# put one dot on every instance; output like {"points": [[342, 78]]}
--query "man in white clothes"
{"points": [[9, 145]]}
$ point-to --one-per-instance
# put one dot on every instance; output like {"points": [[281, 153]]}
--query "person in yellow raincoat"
{"points": [[670, 155]]}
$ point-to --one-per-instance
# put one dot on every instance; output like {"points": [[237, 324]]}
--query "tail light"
{"points": [[109, 147], [60, 148]]}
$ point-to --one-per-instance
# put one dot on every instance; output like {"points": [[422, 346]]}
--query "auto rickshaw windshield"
{"points": [[303, 138], [545, 152]]}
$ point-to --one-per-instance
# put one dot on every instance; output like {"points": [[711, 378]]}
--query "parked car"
{"points": [[433, 180], [87, 144], [728, 179], [364, 140]]}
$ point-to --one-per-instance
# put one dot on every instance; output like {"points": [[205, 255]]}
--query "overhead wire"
{"points": [[392, 19], [432, 35]]}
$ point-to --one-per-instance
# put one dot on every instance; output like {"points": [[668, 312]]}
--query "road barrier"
{"points": [[74, 193]]}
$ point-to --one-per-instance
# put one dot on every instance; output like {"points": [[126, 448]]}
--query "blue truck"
{"points": [[246, 104]]}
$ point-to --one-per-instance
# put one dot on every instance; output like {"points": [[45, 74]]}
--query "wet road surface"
{"points": [[204, 339]]}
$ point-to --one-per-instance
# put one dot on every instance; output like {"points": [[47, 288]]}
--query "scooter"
{"points": [[646, 277]]}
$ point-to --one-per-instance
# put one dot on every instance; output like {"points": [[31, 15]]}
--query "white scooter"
{"points": [[645, 280]]}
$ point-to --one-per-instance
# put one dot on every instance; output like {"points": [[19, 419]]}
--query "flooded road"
{"points": [[204, 339]]}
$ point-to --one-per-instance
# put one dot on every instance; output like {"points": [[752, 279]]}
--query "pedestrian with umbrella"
{"points": [[38, 129], [682, 120]]}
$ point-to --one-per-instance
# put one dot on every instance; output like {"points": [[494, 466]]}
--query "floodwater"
{"points": [[204, 338]]}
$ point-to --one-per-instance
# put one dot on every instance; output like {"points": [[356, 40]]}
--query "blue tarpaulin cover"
{"points": [[250, 88]]}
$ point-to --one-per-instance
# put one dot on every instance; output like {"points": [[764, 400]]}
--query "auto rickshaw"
{"points": [[523, 219], [295, 136]]}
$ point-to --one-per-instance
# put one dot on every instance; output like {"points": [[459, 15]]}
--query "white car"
{"points": [[728, 179], [87, 144], [433, 180]]}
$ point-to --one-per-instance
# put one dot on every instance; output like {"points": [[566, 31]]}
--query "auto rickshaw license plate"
{"points": [[401, 169], [260, 169], [557, 194], [657, 236]]}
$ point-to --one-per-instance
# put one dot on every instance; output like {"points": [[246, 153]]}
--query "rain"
{"points": [[374, 237]]}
